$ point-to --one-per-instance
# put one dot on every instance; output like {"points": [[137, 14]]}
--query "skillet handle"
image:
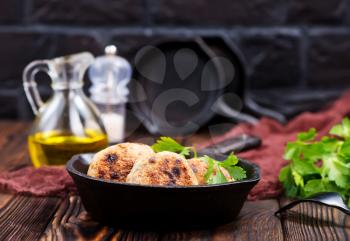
{"points": [[222, 108], [235, 144]]}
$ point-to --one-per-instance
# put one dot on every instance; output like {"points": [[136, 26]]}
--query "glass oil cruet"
{"points": [[68, 123]]}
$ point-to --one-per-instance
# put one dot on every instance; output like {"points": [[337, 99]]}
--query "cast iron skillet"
{"points": [[140, 206], [179, 85]]}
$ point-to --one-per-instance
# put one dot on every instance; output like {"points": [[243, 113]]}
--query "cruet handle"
{"points": [[29, 83]]}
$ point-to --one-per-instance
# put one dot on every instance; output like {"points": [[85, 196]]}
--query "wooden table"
{"points": [[50, 218]]}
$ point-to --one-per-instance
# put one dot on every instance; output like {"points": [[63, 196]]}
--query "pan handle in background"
{"points": [[234, 144], [221, 107], [253, 106]]}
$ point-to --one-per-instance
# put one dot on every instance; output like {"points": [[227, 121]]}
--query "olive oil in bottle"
{"points": [[68, 123], [56, 148]]}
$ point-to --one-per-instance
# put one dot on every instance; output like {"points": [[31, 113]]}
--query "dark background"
{"points": [[300, 44]]}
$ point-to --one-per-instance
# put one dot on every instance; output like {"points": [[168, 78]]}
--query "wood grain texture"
{"points": [[71, 222], [12, 130], [13, 145], [25, 218], [310, 221], [255, 222], [5, 198]]}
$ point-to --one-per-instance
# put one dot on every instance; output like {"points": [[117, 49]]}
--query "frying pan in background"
{"points": [[232, 104], [179, 86], [294, 101], [223, 46]]}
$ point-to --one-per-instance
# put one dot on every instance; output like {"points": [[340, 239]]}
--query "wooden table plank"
{"points": [[310, 221], [255, 222], [13, 145], [5, 198], [10, 130], [25, 218], [71, 222]]}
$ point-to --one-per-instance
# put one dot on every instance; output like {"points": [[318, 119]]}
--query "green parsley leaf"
{"points": [[237, 173], [289, 185], [214, 174], [219, 177], [298, 179], [305, 168], [169, 144], [345, 150], [211, 162], [284, 173], [341, 130], [321, 185], [292, 151], [313, 186], [336, 171], [231, 160], [307, 136]]}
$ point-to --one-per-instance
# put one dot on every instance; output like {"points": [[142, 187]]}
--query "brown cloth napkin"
{"points": [[44, 181], [274, 136]]}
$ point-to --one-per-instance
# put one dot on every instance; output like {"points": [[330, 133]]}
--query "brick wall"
{"points": [[299, 43]]}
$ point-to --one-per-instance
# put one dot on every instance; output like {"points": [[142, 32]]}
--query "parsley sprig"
{"points": [[318, 165], [214, 173], [169, 144]]}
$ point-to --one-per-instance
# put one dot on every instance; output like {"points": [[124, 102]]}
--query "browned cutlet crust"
{"points": [[115, 162], [200, 168], [164, 168]]}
